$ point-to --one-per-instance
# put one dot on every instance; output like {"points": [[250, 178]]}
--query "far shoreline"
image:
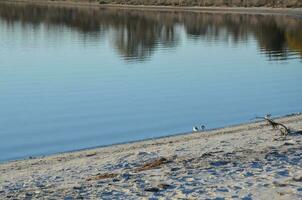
{"points": [[208, 9]]}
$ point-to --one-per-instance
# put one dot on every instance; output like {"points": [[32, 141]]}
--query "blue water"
{"points": [[114, 77]]}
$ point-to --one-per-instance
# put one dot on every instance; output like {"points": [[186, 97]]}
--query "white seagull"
{"points": [[195, 128]]}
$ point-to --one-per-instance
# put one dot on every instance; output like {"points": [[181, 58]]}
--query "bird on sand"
{"points": [[195, 129]]}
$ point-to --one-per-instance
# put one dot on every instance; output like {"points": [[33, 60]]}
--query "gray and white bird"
{"points": [[195, 129], [201, 128]]}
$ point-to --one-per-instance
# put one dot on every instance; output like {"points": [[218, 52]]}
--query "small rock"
{"points": [[279, 184], [58, 178], [90, 154], [152, 189], [290, 142], [237, 187], [175, 169], [78, 187], [164, 186], [298, 178]]}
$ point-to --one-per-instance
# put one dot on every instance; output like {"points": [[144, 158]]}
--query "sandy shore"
{"points": [[249, 161], [209, 9]]}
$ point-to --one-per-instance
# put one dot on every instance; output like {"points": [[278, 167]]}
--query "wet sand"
{"points": [[249, 161]]}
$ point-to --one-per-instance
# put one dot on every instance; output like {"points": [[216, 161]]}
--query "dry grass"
{"points": [[233, 3]]}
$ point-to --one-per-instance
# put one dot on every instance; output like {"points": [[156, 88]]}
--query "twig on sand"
{"points": [[276, 125]]}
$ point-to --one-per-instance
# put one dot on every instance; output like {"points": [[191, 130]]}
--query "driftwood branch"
{"points": [[276, 125]]}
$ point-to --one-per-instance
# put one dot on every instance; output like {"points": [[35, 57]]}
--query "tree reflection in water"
{"points": [[136, 34]]}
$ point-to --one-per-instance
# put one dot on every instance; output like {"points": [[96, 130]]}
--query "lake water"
{"points": [[74, 78]]}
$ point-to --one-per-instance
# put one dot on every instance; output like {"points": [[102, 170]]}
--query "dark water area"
{"points": [[79, 77]]}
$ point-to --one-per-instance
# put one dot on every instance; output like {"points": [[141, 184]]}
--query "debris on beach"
{"points": [[284, 130], [241, 162], [153, 165], [102, 176]]}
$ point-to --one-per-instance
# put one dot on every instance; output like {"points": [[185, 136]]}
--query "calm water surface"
{"points": [[73, 78]]}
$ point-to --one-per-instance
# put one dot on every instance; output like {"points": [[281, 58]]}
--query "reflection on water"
{"points": [[137, 34], [73, 78]]}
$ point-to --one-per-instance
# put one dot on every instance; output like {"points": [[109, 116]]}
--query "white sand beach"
{"points": [[249, 161]]}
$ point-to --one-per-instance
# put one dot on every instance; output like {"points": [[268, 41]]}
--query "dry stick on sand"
{"points": [[276, 125]]}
